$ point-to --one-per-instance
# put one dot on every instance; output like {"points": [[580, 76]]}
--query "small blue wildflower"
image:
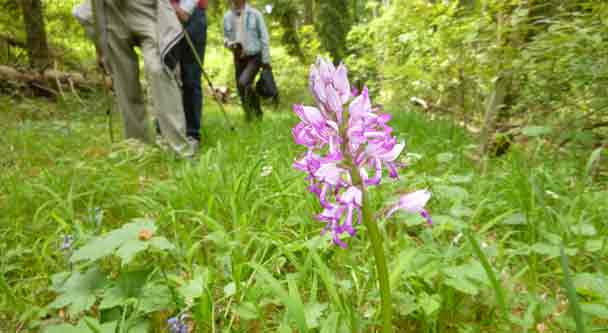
{"points": [[177, 324], [96, 216], [67, 242]]}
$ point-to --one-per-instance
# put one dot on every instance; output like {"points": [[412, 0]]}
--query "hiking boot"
{"points": [[194, 143]]}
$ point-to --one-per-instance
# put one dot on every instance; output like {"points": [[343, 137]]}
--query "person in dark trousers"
{"points": [[246, 35], [192, 14]]}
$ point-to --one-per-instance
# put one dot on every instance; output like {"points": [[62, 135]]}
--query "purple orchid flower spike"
{"points": [[348, 147], [346, 139], [341, 83], [414, 203]]}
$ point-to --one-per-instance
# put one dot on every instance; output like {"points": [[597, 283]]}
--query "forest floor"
{"points": [[240, 206]]}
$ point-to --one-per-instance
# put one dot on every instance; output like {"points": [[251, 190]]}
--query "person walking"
{"points": [[246, 35], [192, 14], [117, 27]]}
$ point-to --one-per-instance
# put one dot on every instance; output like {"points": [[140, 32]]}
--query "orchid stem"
{"points": [[380, 259]]}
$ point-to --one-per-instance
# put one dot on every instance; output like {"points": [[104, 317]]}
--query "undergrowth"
{"points": [[243, 252]]}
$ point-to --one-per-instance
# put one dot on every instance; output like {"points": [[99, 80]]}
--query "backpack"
{"points": [[266, 85]]}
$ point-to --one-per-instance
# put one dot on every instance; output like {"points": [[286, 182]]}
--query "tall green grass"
{"points": [[243, 214]]}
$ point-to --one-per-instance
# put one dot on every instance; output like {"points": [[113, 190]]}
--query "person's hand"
{"points": [[100, 63], [107, 82], [230, 44], [99, 59], [182, 15]]}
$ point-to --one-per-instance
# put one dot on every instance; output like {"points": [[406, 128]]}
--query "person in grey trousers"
{"points": [[117, 27]]}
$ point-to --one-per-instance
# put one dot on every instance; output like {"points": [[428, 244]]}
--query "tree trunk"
{"points": [[290, 37], [37, 46], [309, 7], [495, 104]]}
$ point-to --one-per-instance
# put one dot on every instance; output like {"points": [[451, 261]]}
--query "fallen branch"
{"points": [[10, 73], [48, 78], [13, 41]]}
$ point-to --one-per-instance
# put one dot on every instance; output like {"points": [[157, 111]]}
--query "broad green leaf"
{"points": [[447, 222], [247, 311], [113, 297], [161, 243], [594, 245], [65, 328], [460, 179], [85, 325], [129, 250], [59, 279], [583, 229], [314, 312], [105, 245], [94, 325], [591, 285], [407, 303], [452, 193], [219, 238], [127, 286], [399, 265], [196, 287], [515, 219], [330, 325], [140, 326], [534, 131], [99, 247], [409, 219], [284, 328], [550, 250], [445, 157], [596, 310], [472, 271], [464, 285], [79, 292], [546, 249], [429, 303], [230, 289], [466, 278], [155, 297], [461, 211]]}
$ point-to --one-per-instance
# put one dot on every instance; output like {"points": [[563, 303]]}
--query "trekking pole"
{"points": [[110, 101], [200, 62], [100, 45]]}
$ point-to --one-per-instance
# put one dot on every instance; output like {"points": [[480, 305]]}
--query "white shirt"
{"points": [[188, 5], [241, 36]]}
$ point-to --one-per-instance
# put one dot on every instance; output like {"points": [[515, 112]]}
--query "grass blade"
{"points": [[500, 298], [575, 308], [328, 280], [593, 160], [6, 289], [295, 308]]}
